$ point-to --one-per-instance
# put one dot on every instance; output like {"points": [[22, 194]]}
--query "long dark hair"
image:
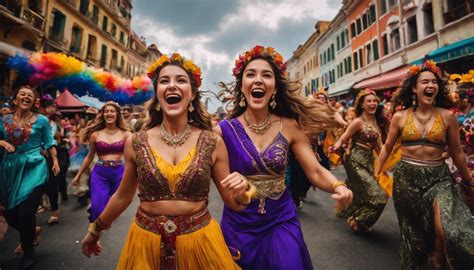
{"points": [[404, 95], [380, 118], [313, 115], [199, 117], [34, 108], [99, 122]]}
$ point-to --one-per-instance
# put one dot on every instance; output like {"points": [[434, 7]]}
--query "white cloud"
{"points": [[269, 14], [263, 15]]}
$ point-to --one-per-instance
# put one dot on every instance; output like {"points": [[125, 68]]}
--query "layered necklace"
{"points": [[424, 122], [174, 140], [260, 129]]}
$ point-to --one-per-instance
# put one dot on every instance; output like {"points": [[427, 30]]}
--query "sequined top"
{"points": [[368, 136], [193, 184], [436, 137], [105, 148]]}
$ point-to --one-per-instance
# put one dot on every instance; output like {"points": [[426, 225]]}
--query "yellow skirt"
{"points": [[202, 249]]}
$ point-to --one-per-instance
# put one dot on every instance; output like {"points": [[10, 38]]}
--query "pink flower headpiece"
{"points": [[256, 52], [428, 65]]}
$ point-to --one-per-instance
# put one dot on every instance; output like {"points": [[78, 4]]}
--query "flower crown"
{"points": [[428, 65], [363, 93], [320, 91], [256, 52], [188, 65]]}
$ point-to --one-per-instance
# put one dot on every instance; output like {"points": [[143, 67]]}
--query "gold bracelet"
{"points": [[93, 231], [337, 184], [100, 225], [247, 197]]}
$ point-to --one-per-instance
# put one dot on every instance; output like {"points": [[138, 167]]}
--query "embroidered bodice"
{"points": [[436, 137], [105, 148], [33, 135], [271, 160], [368, 136], [192, 183]]}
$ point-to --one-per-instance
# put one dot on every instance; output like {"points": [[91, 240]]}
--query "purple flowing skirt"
{"points": [[271, 241]]}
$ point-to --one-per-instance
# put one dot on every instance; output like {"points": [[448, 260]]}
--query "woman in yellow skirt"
{"points": [[172, 162]]}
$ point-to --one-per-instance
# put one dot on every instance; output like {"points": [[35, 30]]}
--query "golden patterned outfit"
{"points": [[175, 242], [417, 184], [369, 199]]}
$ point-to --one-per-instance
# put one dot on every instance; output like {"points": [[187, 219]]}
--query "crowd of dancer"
{"points": [[273, 146]]}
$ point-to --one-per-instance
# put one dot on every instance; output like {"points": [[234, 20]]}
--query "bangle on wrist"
{"points": [[337, 184], [100, 225], [93, 231], [248, 195]]}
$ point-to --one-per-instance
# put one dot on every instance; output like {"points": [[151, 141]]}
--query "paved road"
{"points": [[330, 242]]}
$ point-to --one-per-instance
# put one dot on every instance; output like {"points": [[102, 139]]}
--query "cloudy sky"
{"points": [[213, 32]]}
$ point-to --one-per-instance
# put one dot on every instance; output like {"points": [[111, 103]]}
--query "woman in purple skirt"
{"points": [[268, 118], [106, 136]]}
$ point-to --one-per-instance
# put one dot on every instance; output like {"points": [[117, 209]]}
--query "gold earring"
{"points": [[158, 107], [242, 102], [414, 100], [191, 107], [273, 103]]}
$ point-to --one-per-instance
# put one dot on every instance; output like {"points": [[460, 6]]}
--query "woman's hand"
{"points": [[91, 245], [343, 197], [236, 183], [10, 148], [75, 181], [56, 168]]}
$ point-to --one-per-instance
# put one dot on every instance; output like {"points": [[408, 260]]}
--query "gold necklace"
{"points": [[174, 140], [424, 122], [260, 129], [111, 133], [370, 123]]}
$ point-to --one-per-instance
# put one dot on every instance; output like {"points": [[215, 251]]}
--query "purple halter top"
{"points": [[105, 148]]}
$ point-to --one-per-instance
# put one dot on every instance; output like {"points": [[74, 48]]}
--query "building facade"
{"points": [[94, 31], [304, 63], [22, 28]]}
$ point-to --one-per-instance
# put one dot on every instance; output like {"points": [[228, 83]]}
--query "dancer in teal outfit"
{"points": [[23, 170]]}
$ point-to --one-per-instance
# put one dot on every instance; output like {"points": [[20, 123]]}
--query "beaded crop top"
{"points": [[192, 185], [105, 148], [368, 136], [436, 137]]}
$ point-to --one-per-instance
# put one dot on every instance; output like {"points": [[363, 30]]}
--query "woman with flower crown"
{"points": [[435, 221], [171, 162], [106, 136], [366, 133], [267, 120]]}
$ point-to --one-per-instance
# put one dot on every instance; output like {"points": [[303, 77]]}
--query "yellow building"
{"points": [[94, 31], [21, 31], [303, 66], [137, 56]]}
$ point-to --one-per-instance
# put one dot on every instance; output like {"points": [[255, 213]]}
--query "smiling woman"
{"points": [[106, 136], [172, 162], [269, 119], [433, 212], [23, 169]]}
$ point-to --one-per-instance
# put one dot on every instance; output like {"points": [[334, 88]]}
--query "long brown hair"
{"points": [[199, 118], [313, 115], [99, 122], [404, 95], [380, 118]]}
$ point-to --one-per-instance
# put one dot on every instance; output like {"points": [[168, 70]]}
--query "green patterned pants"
{"points": [[414, 192], [369, 199]]}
